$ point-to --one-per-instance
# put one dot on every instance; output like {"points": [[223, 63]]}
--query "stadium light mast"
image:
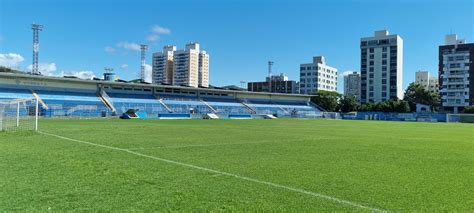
{"points": [[143, 49], [109, 69], [270, 64], [242, 83], [36, 28]]}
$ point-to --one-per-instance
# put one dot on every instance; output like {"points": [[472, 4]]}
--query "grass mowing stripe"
{"points": [[214, 144], [302, 191]]}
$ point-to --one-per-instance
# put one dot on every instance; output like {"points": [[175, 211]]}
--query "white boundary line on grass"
{"points": [[289, 188]]}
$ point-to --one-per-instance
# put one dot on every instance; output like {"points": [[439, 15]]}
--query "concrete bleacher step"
{"points": [[104, 97], [248, 107], [211, 116], [284, 110], [210, 107], [43, 104], [268, 116], [163, 103]]}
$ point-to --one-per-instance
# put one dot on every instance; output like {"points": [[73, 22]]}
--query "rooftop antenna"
{"points": [[36, 28], [242, 84], [143, 49], [270, 64], [108, 69]]}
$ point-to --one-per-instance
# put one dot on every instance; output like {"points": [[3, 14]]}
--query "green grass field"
{"points": [[238, 165]]}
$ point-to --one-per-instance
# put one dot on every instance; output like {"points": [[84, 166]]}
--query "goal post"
{"points": [[19, 115], [461, 118]]}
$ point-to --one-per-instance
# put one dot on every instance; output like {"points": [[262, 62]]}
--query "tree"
{"points": [[386, 106], [468, 109], [401, 106], [348, 104], [328, 100], [417, 94], [367, 107]]}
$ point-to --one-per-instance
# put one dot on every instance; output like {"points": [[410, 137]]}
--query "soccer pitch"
{"points": [[238, 165]]}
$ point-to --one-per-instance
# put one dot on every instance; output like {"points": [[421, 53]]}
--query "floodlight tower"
{"points": [[242, 83], [36, 28], [108, 69], [270, 64], [143, 48]]}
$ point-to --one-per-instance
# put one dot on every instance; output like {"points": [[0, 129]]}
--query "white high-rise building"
{"points": [[317, 76], [427, 80], [203, 73], [162, 71], [381, 67], [186, 67], [352, 85]]}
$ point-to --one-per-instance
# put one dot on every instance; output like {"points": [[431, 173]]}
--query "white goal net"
{"points": [[461, 118], [18, 115]]}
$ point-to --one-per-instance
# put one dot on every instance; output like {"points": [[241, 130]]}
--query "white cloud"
{"points": [[129, 46], [148, 73], [109, 49], [47, 69], [152, 38], [124, 66], [160, 30], [11, 60], [78, 74]]}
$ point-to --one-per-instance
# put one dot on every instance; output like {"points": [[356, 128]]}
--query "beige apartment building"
{"points": [[186, 67]]}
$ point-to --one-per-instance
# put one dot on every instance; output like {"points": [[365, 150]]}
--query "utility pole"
{"points": [[36, 28], [270, 64], [143, 49]]}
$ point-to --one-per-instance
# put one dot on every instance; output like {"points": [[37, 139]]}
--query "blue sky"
{"points": [[240, 36]]}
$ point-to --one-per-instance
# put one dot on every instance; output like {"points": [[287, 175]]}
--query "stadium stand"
{"points": [[91, 98]]}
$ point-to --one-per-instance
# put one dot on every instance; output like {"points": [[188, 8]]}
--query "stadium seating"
{"points": [[146, 103], [88, 103], [61, 103]]}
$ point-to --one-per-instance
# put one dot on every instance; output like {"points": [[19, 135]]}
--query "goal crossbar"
{"points": [[19, 114]]}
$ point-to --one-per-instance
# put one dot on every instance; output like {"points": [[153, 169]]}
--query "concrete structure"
{"points": [[186, 67], [163, 66], [317, 76], [427, 80], [98, 98], [381, 67], [456, 73], [352, 85], [203, 69], [279, 84]]}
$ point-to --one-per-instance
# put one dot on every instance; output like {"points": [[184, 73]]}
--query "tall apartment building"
{"points": [[381, 67], [317, 76], [203, 72], [456, 71], [162, 71], [427, 80], [352, 85], [186, 67], [279, 84]]}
